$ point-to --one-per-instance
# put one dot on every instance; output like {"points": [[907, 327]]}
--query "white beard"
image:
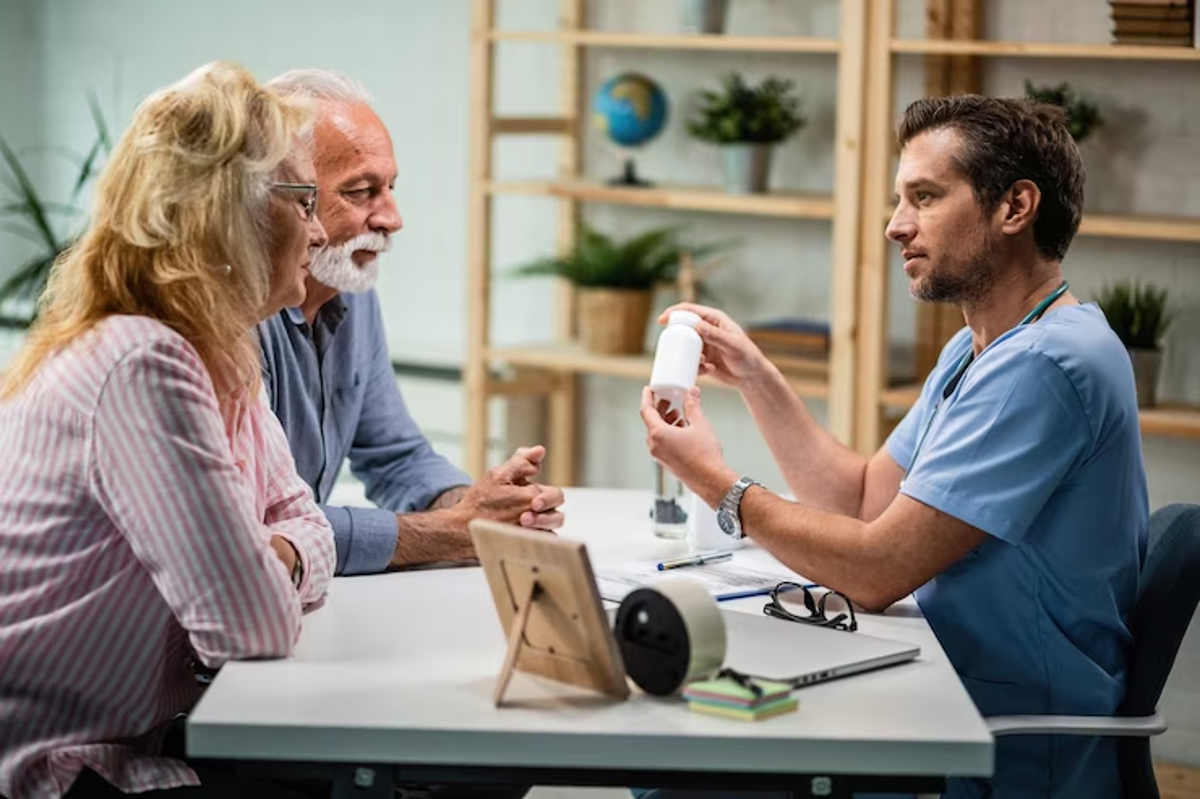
{"points": [[335, 267]]}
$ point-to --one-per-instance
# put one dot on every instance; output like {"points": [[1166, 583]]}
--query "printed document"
{"points": [[751, 572]]}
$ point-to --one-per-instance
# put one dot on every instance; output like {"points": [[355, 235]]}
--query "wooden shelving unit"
{"points": [[1177, 421], [633, 41], [683, 198], [1043, 50], [877, 400], [1131, 226], [568, 358], [553, 370], [861, 400]]}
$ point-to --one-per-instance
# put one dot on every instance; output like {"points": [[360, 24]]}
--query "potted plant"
{"points": [[1138, 315], [704, 16], [1082, 117], [48, 224], [615, 282], [746, 122]]}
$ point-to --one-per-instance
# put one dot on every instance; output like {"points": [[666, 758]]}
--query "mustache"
{"points": [[371, 242]]}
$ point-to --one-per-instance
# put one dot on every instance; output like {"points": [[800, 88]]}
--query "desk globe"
{"points": [[631, 110]]}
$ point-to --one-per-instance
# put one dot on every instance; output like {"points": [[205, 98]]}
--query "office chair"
{"points": [[1167, 597]]}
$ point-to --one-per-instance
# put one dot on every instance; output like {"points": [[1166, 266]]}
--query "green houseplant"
{"points": [[48, 224], [1082, 117], [1138, 314], [615, 282], [746, 122]]}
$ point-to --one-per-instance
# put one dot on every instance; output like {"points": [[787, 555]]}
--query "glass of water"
{"points": [[668, 513]]}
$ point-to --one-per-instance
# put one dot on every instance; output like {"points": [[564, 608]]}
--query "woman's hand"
{"points": [[690, 450], [729, 354], [285, 552]]}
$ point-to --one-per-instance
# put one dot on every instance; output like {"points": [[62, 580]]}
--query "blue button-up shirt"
{"points": [[333, 389]]}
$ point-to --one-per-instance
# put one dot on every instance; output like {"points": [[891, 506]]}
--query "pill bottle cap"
{"points": [[683, 318]]}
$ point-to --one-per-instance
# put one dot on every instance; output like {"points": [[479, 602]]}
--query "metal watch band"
{"points": [[732, 505]]}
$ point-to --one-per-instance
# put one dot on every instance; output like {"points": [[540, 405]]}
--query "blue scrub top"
{"points": [[1039, 447]]}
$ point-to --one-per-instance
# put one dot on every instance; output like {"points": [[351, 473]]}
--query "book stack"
{"points": [[1166, 23], [796, 346], [729, 698]]}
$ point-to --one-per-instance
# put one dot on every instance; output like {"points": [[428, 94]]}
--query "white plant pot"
{"points": [[1146, 365], [704, 16], [746, 167]]}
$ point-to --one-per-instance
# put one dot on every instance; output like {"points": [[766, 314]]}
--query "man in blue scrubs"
{"points": [[1012, 497], [330, 380]]}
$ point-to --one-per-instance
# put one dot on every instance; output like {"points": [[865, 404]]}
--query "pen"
{"points": [[700, 559]]}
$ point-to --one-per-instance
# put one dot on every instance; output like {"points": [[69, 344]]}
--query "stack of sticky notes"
{"points": [[726, 697]]}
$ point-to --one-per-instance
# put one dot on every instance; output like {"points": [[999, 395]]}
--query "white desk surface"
{"points": [[399, 669]]}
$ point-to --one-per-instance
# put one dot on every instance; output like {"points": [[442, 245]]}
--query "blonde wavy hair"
{"points": [[179, 226]]}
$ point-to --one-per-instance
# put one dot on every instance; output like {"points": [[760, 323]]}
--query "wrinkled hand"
{"points": [[690, 449], [729, 354], [508, 493]]}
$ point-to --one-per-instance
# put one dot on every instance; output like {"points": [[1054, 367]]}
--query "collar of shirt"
{"points": [[329, 316]]}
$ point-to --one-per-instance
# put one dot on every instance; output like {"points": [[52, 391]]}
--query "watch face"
{"points": [[725, 522]]}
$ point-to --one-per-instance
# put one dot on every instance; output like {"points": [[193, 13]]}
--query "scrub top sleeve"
{"points": [[999, 447]]}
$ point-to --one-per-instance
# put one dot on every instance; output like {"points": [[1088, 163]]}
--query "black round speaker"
{"points": [[669, 634]]}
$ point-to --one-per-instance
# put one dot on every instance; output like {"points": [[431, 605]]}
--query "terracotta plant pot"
{"points": [[1146, 364], [613, 321]]}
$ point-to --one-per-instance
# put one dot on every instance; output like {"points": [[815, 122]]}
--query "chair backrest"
{"points": [[1167, 597]]}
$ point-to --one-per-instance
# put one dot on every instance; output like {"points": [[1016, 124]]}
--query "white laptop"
{"points": [[803, 654]]}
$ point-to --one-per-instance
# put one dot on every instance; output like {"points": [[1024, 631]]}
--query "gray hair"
{"points": [[321, 84]]}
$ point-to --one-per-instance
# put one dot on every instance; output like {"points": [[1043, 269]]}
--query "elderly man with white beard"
{"points": [[330, 379]]}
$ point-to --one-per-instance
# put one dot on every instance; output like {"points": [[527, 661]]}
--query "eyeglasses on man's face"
{"points": [[828, 609], [307, 199]]}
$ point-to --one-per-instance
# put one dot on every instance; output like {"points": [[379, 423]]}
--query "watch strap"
{"points": [[732, 503]]}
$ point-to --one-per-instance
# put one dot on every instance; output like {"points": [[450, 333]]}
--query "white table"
{"points": [[393, 675]]}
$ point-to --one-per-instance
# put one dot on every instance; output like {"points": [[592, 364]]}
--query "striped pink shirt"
{"points": [[135, 527]]}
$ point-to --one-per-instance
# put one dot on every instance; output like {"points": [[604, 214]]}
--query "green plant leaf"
{"points": [[764, 114], [28, 195], [26, 232], [1082, 117], [643, 261], [29, 281], [1137, 313]]}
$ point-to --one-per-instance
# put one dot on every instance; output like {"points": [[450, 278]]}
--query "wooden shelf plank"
{"points": [[1178, 421], [520, 125], [691, 198], [618, 39], [901, 398], [1044, 50], [1131, 226], [573, 359], [1161, 228]]}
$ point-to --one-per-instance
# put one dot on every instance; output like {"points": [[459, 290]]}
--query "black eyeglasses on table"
{"points": [[828, 609]]}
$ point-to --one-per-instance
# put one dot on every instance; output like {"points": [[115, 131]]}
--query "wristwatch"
{"points": [[729, 512]]}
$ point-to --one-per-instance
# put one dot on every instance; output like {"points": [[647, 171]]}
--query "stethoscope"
{"points": [[955, 378]]}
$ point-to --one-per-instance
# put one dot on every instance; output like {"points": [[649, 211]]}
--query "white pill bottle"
{"points": [[676, 365], [676, 359]]}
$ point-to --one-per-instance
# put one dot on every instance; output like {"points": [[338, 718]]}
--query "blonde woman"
{"points": [[150, 514]]}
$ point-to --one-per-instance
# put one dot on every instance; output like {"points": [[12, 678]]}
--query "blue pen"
{"points": [[754, 592], [700, 559]]}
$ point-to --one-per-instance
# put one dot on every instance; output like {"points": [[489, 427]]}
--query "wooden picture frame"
{"points": [[546, 597]]}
